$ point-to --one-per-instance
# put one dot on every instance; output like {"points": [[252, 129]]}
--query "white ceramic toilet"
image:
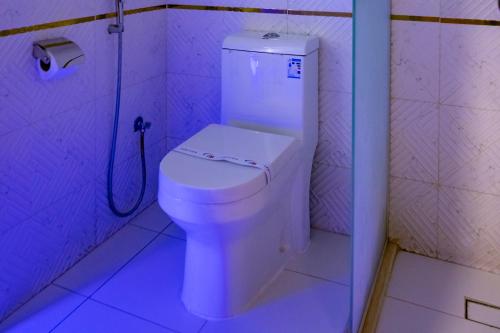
{"points": [[240, 189]]}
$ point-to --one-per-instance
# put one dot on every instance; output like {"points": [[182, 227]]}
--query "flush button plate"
{"points": [[482, 313]]}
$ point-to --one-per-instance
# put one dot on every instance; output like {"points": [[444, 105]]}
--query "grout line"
{"points": [[203, 326], [425, 307], [108, 279], [317, 277], [148, 229], [132, 314], [174, 237]]}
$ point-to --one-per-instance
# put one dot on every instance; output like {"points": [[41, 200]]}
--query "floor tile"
{"points": [[92, 271], [153, 218], [175, 231], [440, 285], [294, 303], [398, 316], [96, 318], [43, 312], [150, 286], [328, 257]]}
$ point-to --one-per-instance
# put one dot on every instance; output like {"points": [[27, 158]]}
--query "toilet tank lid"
{"points": [[270, 42]]}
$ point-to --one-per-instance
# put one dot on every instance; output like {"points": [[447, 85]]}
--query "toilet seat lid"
{"points": [[208, 181]]}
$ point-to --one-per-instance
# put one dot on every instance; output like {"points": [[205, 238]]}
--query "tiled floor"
{"points": [[428, 296], [132, 283]]}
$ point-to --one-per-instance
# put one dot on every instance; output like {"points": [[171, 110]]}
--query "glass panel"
{"points": [[370, 146]]}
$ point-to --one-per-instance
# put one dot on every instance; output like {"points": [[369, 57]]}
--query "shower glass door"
{"points": [[370, 146]]}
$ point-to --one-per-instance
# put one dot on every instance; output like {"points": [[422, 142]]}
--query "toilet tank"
{"points": [[270, 83]]}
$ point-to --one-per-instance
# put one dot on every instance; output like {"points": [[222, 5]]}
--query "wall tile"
{"points": [[469, 231], [194, 41], [470, 66], [335, 128], [416, 7], [331, 198], [126, 189], [335, 54], [22, 89], [62, 155], [471, 9], [49, 196], [194, 102], [20, 13], [145, 99], [29, 250], [238, 21], [46, 161], [144, 51], [322, 5], [414, 140], [413, 216], [415, 61], [469, 150]]}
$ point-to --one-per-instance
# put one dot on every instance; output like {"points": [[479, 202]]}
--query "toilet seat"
{"points": [[200, 180]]}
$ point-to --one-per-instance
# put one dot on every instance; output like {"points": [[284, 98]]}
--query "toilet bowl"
{"points": [[240, 189], [241, 228]]}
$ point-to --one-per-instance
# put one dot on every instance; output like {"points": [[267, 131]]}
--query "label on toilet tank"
{"points": [[294, 68]]}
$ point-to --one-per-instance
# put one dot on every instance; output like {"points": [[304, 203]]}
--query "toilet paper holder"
{"points": [[59, 54], [69, 52]]}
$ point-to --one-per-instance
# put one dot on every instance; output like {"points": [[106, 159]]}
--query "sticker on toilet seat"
{"points": [[294, 68]]}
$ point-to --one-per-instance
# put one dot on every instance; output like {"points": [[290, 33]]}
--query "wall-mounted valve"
{"points": [[140, 125]]}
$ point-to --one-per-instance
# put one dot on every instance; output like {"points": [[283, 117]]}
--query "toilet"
{"points": [[240, 189]]}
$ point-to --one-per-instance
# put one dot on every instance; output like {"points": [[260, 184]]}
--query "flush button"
{"points": [[271, 35]]}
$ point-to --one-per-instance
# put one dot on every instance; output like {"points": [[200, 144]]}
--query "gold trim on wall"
{"points": [[445, 20], [75, 21], [80, 20]]}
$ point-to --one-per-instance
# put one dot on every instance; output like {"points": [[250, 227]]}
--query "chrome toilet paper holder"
{"points": [[66, 50]]}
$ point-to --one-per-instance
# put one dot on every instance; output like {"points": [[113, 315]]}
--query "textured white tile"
{"points": [[152, 218], [126, 188], [335, 53], [470, 9], [469, 232], [416, 7], [470, 66], [43, 312], [271, 4], [414, 140], [144, 50], [100, 265], [238, 21], [193, 103], [328, 257], [194, 40], [16, 175], [36, 251], [331, 199], [145, 99], [23, 91], [95, 317], [335, 129], [150, 286], [413, 215], [398, 316], [109, 6], [62, 155], [439, 285], [469, 154], [293, 303], [321, 5], [20, 13], [415, 61]]}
